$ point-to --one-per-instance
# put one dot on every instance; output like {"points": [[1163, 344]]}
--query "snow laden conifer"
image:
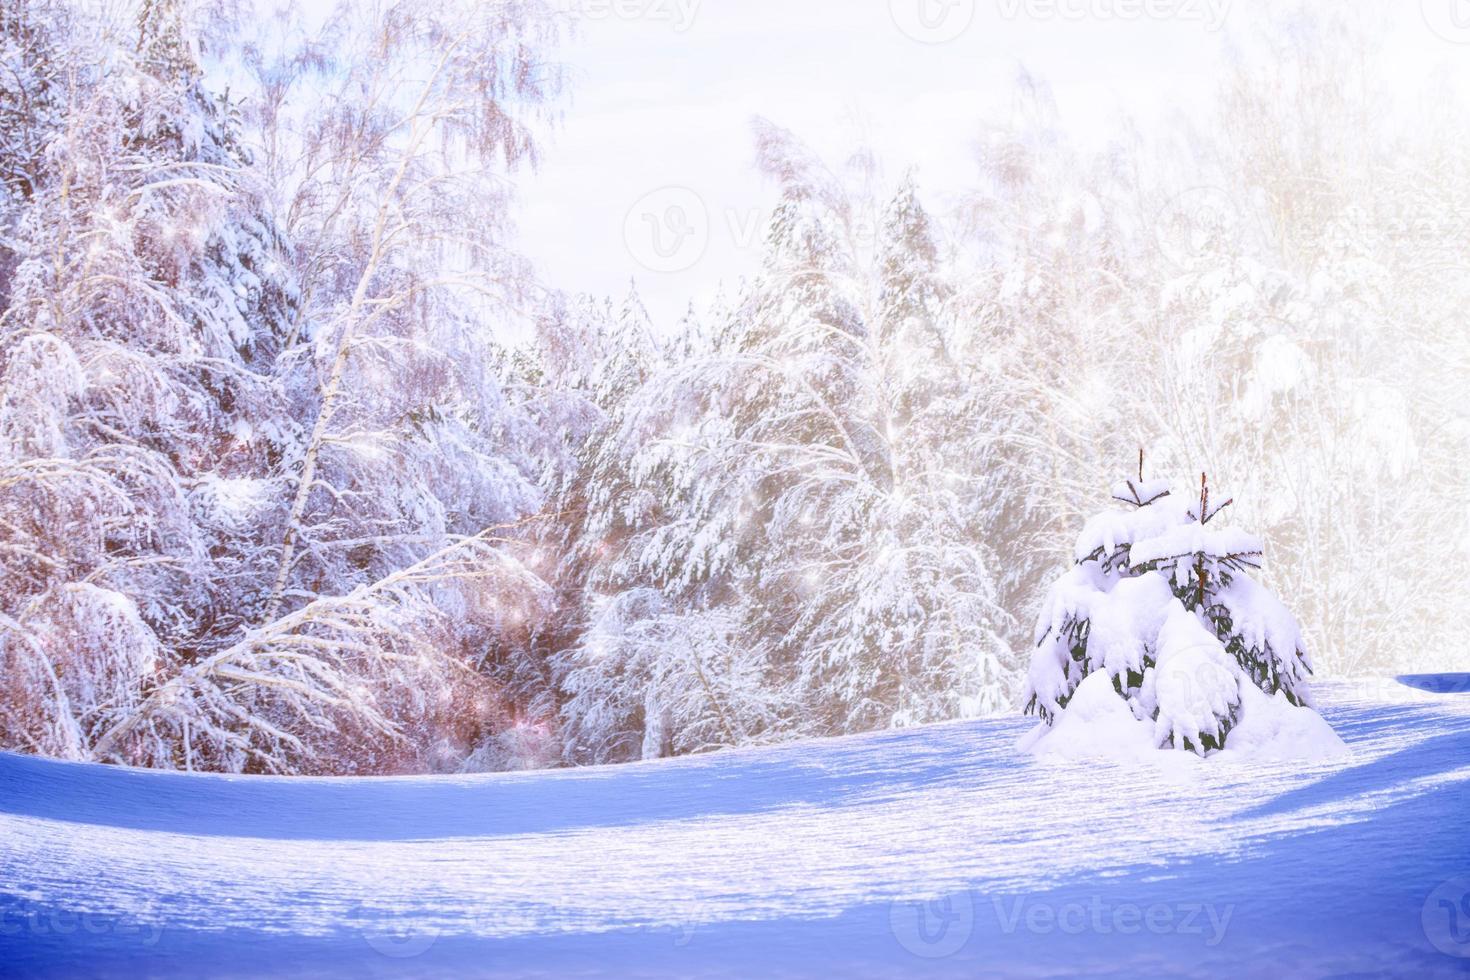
{"points": [[1158, 637], [784, 532]]}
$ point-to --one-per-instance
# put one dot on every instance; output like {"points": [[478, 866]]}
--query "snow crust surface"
{"points": [[928, 851]]}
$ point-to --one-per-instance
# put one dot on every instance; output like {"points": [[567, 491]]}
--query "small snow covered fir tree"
{"points": [[1161, 605]]}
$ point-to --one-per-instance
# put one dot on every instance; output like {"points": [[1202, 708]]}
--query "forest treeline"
{"points": [[303, 470]]}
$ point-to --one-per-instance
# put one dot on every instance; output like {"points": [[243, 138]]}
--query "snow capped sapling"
{"points": [[1160, 601]]}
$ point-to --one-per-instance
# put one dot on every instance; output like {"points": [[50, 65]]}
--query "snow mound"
{"points": [[1192, 689], [1097, 724], [1271, 728]]}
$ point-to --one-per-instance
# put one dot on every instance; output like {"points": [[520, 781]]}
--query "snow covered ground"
{"points": [[929, 851]]}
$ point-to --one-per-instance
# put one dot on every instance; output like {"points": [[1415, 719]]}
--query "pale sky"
{"points": [[656, 126]]}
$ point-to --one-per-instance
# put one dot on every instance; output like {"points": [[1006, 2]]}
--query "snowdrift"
{"points": [[1098, 724], [927, 851]]}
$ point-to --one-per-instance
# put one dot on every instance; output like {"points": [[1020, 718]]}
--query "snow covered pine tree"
{"points": [[1158, 638]]}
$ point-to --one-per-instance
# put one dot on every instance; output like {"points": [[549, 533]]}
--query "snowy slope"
{"points": [[929, 851]]}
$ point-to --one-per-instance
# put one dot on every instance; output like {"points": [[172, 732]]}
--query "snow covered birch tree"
{"points": [[398, 209], [156, 371]]}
